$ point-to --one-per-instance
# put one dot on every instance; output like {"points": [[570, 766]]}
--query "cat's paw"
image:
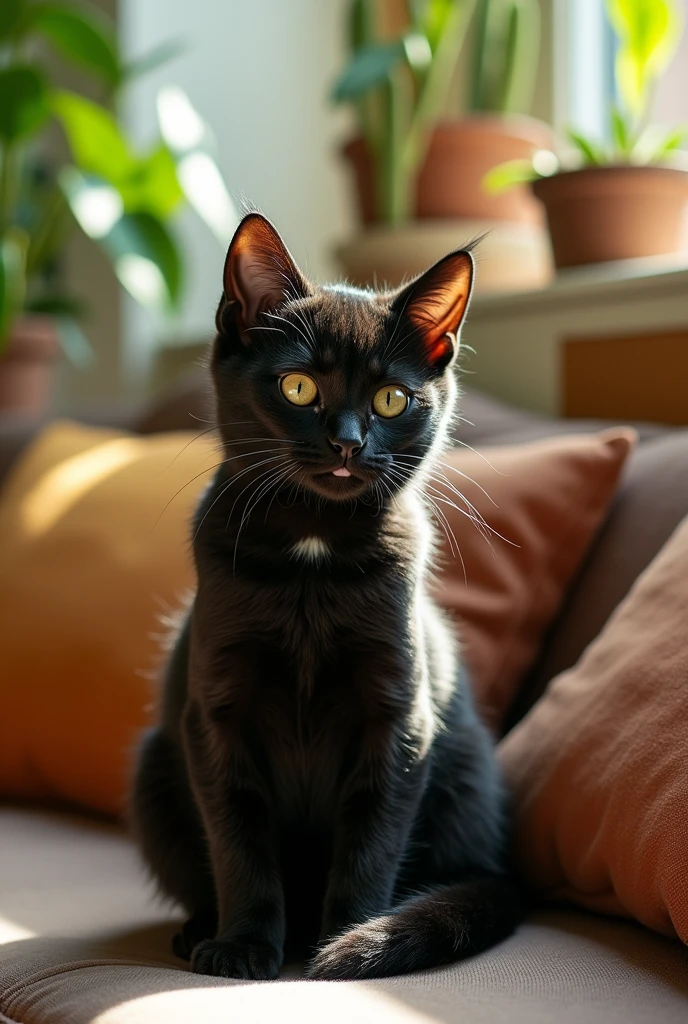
{"points": [[224, 958], [369, 950], [199, 926]]}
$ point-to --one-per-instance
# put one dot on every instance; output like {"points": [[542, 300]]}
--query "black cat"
{"points": [[319, 774]]}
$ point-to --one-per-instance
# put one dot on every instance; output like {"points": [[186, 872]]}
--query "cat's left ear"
{"points": [[260, 275], [435, 305]]}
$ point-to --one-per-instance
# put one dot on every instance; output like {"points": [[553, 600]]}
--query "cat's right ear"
{"points": [[259, 276]]}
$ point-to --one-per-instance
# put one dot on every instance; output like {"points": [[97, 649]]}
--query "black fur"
{"points": [[319, 774]]}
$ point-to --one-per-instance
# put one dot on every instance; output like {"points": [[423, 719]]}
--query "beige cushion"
{"points": [[85, 941]]}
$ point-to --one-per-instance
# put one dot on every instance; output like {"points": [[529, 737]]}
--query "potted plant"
{"points": [[411, 163], [628, 196], [124, 199]]}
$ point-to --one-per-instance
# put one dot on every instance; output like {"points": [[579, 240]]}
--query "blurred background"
{"points": [[376, 134]]}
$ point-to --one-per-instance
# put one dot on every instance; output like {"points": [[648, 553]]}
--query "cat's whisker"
{"points": [[233, 479], [295, 327]]}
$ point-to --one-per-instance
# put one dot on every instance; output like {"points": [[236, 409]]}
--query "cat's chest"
{"points": [[307, 731]]}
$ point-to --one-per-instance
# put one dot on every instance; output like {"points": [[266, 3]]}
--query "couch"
{"points": [[85, 939]]}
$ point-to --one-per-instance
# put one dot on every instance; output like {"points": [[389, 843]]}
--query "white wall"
{"points": [[259, 71]]}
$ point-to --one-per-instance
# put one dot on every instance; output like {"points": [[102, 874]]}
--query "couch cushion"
{"points": [[651, 502], [86, 941]]}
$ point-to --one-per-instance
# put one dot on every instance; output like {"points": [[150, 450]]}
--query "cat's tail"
{"points": [[436, 927]]}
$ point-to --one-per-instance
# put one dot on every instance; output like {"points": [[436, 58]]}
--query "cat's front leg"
{"points": [[377, 811], [238, 822]]}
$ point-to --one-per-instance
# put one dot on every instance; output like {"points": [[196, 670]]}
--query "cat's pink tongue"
{"points": [[341, 472]]}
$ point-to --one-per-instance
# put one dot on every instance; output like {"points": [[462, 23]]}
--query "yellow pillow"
{"points": [[92, 560]]}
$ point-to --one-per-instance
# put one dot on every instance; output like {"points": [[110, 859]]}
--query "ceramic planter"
{"points": [[27, 365], [460, 154], [614, 213]]}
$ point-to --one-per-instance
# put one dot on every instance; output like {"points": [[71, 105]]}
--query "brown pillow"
{"points": [[545, 502], [599, 767]]}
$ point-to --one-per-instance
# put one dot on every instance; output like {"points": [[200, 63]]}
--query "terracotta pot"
{"points": [[460, 154], [27, 365], [615, 213]]}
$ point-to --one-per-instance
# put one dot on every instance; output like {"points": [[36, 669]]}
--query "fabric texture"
{"points": [[94, 558], [83, 940], [651, 502], [525, 519], [598, 767]]}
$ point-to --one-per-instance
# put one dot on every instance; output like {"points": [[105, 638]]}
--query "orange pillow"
{"points": [[91, 563], [92, 559], [599, 766], [543, 503]]}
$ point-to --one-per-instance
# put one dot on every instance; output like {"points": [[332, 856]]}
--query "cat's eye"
{"points": [[390, 401], [299, 388]]}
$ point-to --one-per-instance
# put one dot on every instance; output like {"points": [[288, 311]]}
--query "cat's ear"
{"points": [[260, 274], [435, 305]]}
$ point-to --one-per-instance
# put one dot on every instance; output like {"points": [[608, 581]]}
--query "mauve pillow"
{"points": [[651, 501], [598, 768], [545, 501]]}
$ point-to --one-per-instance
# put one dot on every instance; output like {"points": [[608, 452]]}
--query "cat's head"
{"points": [[338, 390]]}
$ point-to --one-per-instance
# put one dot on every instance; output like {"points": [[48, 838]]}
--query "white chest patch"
{"points": [[311, 548]]}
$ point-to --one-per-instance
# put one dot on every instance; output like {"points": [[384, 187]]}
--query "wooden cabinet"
{"points": [[608, 342]]}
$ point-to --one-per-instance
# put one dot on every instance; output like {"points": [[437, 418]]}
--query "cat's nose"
{"points": [[346, 447], [346, 434]]}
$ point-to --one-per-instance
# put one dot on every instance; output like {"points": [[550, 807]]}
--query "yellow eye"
{"points": [[390, 401], [299, 389]]}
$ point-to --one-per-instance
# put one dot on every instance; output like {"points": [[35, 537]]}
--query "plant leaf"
{"points": [[85, 36], [649, 32], [10, 17], [96, 142], [23, 101], [621, 133], [12, 280], [152, 185], [189, 139], [154, 58], [146, 259], [669, 144], [368, 69], [592, 153], [505, 176]]}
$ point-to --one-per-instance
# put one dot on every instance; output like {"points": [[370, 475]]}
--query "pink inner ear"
{"points": [[255, 285]]}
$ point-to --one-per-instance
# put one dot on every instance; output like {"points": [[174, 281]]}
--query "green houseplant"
{"points": [[417, 168], [410, 158], [624, 196], [123, 198]]}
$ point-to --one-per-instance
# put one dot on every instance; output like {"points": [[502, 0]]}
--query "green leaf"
{"points": [[152, 185], [12, 280], [56, 305], [23, 101], [505, 176], [649, 32], [591, 152], [542, 164], [97, 144], [621, 134], [669, 144], [434, 19], [155, 58], [10, 17], [85, 36], [146, 259], [369, 68]]}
